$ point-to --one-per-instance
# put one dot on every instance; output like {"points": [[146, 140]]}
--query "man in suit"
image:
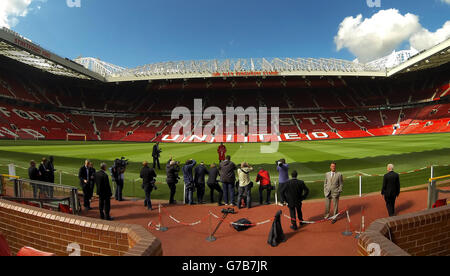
{"points": [[33, 174], [295, 191], [199, 178], [213, 184], [51, 175], [156, 153], [91, 181], [189, 181], [44, 170], [391, 189], [333, 187], [148, 176], [84, 175], [104, 192]]}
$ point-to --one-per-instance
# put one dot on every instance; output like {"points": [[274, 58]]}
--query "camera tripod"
{"points": [[225, 213]]}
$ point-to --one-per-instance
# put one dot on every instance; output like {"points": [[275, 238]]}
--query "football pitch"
{"points": [[412, 156]]}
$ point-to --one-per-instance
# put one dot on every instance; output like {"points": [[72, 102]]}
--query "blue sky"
{"points": [[133, 33]]}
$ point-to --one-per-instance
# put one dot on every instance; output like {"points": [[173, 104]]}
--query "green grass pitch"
{"points": [[366, 156]]}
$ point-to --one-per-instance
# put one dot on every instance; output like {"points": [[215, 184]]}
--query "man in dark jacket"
{"points": [[214, 185], [148, 176], [189, 181], [91, 181], [228, 178], [391, 189], [172, 170], [104, 192], [156, 153], [295, 191], [33, 174], [200, 172], [85, 176]]}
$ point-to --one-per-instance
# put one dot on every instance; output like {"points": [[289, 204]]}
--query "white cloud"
{"points": [[446, 1], [377, 36], [12, 10], [424, 39]]}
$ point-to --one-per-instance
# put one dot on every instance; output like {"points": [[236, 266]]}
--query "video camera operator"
{"points": [[118, 174], [172, 170]]}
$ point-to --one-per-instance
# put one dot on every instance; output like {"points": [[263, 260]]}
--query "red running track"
{"points": [[323, 239]]}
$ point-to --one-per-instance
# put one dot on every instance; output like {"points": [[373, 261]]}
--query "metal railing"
{"points": [[38, 192], [434, 191]]}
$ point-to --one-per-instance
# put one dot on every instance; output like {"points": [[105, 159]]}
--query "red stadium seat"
{"points": [[4, 247], [31, 252], [440, 203]]}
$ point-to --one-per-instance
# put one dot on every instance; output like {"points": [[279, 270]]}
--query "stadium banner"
{"points": [[259, 138]]}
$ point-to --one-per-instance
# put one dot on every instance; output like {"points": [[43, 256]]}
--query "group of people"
{"points": [[90, 178], [44, 173], [235, 190]]}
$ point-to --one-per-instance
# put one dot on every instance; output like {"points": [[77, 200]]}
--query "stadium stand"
{"points": [[37, 105]]}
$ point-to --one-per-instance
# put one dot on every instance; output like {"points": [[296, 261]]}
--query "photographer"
{"points": [[118, 173], [228, 178], [189, 181], [245, 185], [156, 153], [148, 176], [172, 170], [283, 170], [263, 178], [199, 179], [213, 184]]}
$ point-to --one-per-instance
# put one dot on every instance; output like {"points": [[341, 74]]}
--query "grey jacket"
{"points": [[333, 186]]}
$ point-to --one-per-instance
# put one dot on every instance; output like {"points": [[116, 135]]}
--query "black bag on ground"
{"points": [[276, 234], [242, 225]]}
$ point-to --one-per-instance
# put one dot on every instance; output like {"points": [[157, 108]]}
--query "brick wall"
{"points": [[425, 233], [53, 232]]}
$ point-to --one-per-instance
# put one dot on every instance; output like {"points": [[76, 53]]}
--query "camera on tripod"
{"points": [[228, 211]]}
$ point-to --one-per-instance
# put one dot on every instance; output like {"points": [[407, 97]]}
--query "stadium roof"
{"points": [[14, 46], [19, 48]]}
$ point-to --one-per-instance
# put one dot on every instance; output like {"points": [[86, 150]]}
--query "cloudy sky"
{"points": [[133, 33]]}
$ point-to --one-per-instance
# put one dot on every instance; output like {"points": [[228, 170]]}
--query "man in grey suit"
{"points": [[334, 183]]}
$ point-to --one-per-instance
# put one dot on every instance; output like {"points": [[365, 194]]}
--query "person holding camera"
{"points": [[156, 153], [228, 178], [283, 171], [263, 178], [118, 172], [213, 184], [245, 185], [295, 191], [172, 170], [189, 181], [200, 172], [148, 176], [104, 192]]}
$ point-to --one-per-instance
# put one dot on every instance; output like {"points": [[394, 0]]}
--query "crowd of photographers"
{"points": [[236, 189]]}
